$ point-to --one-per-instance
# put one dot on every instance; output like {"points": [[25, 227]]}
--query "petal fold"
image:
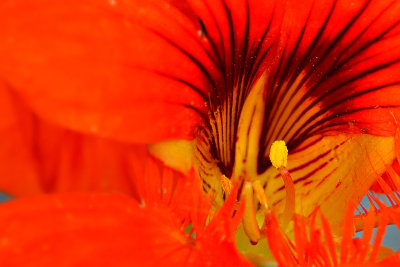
{"points": [[39, 157]]}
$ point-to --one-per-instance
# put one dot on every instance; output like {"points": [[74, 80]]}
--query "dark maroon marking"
{"points": [[316, 40], [311, 173], [315, 159], [320, 156], [305, 177], [196, 61], [277, 202], [326, 176], [310, 144], [308, 182], [302, 64]]}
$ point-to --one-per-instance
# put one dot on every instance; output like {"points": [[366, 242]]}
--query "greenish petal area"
{"points": [[187, 230], [259, 254]]}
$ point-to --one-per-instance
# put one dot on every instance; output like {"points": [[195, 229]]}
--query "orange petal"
{"points": [[113, 68], [101, 230], [347, 234], [379, 237], [300, 236], [17, 166], [37, 156], [367, 235], [277, 242], [328, 235]]}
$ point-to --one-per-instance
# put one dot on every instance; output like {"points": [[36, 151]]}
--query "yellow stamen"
{"points": [[290, 196], [226, 184], [250, 224], [278, 156]]}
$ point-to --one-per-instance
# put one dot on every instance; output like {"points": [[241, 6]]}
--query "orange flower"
{"points": [[89, 88]]}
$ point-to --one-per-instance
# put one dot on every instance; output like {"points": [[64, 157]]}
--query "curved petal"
{"points": [[130, 70], [17, 169], [102, 230], [37, 156]]}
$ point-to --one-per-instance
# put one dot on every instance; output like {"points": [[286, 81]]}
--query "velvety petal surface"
{"points": [[37, 156], [120, 69], [18, 171]]}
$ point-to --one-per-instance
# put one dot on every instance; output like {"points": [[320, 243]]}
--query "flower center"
{"points": [[227, 150], [219, 167]]}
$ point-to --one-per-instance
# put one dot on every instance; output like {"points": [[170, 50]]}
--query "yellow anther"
{"points": [[226, 184], [278, 154]]}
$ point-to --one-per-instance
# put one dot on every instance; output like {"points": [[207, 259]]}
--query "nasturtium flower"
{"points": [[288, 108]]}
